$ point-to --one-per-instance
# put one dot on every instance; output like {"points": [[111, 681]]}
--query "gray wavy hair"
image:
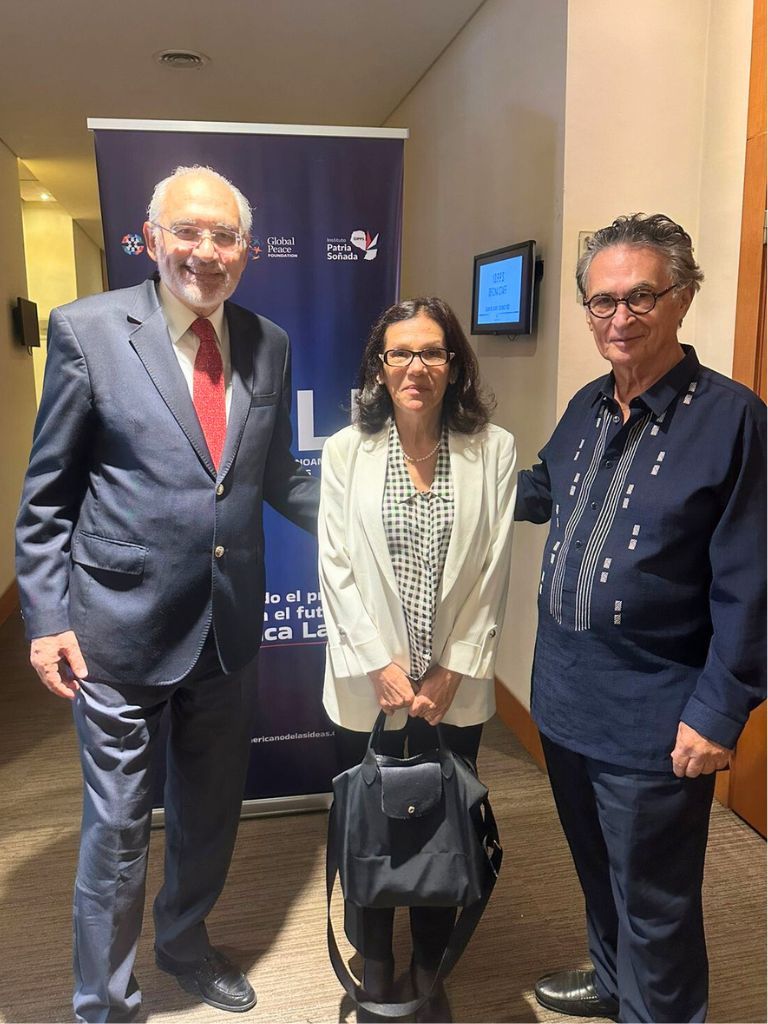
{"points": [[647, 231], [160, 191]]}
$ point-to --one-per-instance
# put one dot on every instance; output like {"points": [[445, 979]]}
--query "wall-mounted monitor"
{"points": [[503, 290], [26, 322]]}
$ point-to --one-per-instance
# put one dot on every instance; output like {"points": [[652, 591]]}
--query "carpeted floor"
{"points": [[271, 918]]}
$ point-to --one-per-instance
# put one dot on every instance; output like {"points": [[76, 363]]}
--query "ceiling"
{"points": [[346, 62]]}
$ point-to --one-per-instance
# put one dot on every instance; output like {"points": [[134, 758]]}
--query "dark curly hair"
{"points": [[467, 406]]}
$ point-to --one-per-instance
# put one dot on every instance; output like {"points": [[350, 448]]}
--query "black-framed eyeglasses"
{"points": [[192, 235], [639, 301], [400, 357]]}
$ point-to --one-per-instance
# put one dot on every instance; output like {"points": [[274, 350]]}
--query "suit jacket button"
{"points": [[218, 551], [219, 489]]}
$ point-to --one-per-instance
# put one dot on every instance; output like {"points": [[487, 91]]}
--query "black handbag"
{"points": [[415, 831]]}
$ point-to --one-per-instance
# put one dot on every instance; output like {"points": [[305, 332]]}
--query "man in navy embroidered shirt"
{"points": [[650, 647]]}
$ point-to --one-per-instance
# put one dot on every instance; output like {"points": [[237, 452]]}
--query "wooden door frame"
{"points": [[749, 359]]}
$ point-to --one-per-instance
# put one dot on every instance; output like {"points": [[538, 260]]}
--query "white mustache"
{"points": [[205, 266]]}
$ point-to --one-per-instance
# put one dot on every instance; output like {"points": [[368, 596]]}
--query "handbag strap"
{"points": [[370, 760], [462, 931], [378, 729]]}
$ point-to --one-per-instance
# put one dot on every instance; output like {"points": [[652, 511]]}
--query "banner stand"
{"points": [[304, 804]]}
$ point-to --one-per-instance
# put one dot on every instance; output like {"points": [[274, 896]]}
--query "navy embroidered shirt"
{"points": [[652, 591]]}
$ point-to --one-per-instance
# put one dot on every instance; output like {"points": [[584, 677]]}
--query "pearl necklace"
{"points": [[411, 459]]}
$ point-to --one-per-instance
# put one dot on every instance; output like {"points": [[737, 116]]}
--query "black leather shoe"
{"points": [[574, 994], [216, 980]]}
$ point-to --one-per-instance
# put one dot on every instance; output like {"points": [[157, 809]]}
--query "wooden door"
{"points": [[743, 789]]}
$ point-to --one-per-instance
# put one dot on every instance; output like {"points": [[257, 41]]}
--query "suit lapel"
{"points": [[467, 472], [152, 344], [242, 350], [369, 484]]}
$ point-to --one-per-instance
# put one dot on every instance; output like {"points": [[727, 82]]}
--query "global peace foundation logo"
{"points": [[282, 247], [132, 244], [255, 248]]}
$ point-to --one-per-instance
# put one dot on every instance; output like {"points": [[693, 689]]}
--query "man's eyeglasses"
{"points": [[400, 357], [223, 239], [639, 301]]}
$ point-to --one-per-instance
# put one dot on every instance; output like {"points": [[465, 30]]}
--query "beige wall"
{"points": [[88, 273], [722, 179], [63, 264], [17, 409], [51, 275], [483, 168], [673, 103]]}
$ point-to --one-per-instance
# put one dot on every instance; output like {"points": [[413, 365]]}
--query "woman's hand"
{"points": [[435, 694], [394, 689]]}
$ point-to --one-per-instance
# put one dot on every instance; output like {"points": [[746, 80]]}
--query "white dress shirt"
{"points": [[186, 343]]}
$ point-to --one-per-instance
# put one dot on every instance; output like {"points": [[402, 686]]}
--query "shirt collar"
{"points": [[180, 317], [659, 396]]}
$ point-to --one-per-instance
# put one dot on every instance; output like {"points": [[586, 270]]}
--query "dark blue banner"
{"points": [[324, 262]]}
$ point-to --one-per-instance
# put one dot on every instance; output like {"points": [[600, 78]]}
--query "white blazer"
{"points": [[363, 612]]}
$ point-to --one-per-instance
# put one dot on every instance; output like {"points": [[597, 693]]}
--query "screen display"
{"points": [[503, 287], [499, 291]]}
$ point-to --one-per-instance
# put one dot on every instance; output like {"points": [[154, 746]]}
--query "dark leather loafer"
{"points": [[216, 980], [574, 994]]}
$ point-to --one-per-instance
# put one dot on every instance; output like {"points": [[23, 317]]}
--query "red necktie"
{"points": [[208, 389]]}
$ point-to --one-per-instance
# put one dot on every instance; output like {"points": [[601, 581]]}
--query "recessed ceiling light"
{"points": [[45, 196], [182, 59]]}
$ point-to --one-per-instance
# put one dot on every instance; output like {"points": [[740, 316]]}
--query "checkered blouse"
{"points": [[418, 527]]}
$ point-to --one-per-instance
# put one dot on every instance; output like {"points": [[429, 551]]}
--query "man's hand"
{"points": [[695, 755], [435, 695], [59, 662], [394, 689]]}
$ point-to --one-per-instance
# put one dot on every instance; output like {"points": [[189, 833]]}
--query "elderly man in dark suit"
{"points": [[163, 426], [650, 650]]}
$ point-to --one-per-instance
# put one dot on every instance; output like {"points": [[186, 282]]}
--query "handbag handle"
{"points": [[370, 765], [462, 931], [378, 729]]}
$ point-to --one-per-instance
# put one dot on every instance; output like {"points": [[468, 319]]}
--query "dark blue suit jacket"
{"points": [[122, 510]]}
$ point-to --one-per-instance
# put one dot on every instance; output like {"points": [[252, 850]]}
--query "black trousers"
{"points": [[370, 929], [638, 841]]}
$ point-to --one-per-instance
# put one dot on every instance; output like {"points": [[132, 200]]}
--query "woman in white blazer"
{"points": [[415, 531]]}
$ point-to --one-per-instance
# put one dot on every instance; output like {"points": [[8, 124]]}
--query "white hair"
{"points": [[161, 189]]}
